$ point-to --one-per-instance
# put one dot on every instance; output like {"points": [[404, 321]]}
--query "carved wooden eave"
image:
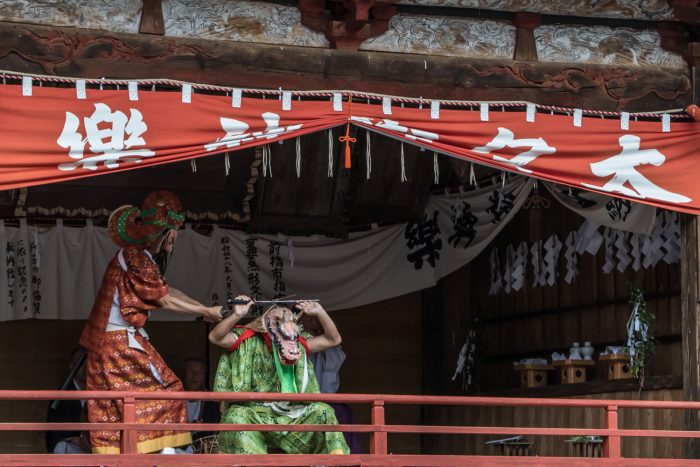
{"points": [[349, 22], [85, 53]]}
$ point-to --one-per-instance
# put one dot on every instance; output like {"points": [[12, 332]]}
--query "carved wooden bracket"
{"points": [[525, 48], [672, 36], [152, 18], [348, 23], [686, 11], [692, 54]]}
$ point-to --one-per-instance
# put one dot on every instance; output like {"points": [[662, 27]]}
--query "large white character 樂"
{"points": [[108, 143], [506, 138], [622, 168]]}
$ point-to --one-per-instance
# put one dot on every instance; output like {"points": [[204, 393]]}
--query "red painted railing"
{"points": [[378, 429]]}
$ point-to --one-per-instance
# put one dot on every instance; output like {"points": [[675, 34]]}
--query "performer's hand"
{"points": [[242, 310], [310, 308], [213, 314]]}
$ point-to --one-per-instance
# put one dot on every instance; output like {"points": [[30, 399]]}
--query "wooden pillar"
{"points": [[690, 312], [433, 359]]}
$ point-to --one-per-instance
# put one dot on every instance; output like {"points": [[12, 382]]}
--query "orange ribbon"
{"points": [[347, 139]]}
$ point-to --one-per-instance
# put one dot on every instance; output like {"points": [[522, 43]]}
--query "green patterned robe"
{"points": [[251, 368]]}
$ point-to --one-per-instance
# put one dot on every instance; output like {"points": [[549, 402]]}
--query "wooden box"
{"points": [[585, 448], [532, 375], [572, 371], [521, 448], [618, 366]]}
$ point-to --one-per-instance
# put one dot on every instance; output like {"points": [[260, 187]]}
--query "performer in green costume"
{"points": [[269, 355]]}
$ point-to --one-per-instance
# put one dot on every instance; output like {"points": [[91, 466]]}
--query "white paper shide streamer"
{"points": [[330, 154], [298, 158], [496, 277]]}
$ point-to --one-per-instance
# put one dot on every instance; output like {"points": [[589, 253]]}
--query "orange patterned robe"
{"points": [[113, 365]]}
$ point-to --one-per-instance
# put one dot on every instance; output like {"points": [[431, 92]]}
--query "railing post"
{"points": [[128, 436], [378, 439], [612, 446]]}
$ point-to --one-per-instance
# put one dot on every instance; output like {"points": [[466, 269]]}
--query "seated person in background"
{"points": [[72, 411], [269, 355], [199, 411], [326, 367]]}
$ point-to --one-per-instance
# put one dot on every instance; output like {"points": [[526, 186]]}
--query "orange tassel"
{"points": [[347, 140]]}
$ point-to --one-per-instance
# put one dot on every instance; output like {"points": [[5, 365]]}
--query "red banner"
{"points": [[52, 136]]}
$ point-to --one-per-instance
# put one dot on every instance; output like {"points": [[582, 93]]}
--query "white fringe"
{"points": [[403, 165], [227, 163], [472, 176], [436, 169], [193, 164], [368, 153], [298, 164], [330, 153], [267, 166]]}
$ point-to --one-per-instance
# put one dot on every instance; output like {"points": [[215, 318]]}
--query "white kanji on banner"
{"points": [[622, 168], [237, 131], [506, 138], [116, 142], [393, 125]]}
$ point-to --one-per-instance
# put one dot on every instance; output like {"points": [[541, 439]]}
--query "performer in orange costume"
{"points": [[119, 354]]}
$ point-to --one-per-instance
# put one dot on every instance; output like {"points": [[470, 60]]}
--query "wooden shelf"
{"points": [[651, 383]]}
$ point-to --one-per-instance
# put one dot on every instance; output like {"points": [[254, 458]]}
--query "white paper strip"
{"points": [[622, 249], [657, 241], [337, 102], [530, 113], [80, 89], [434, 110], [508, 270], [589, 239], [625, 121], [133, 91], [519, 266], [538, 269], [551, 247], [484, 111], [608, 236], [578, 116], [666, 123], [236, 98], [386, 105], [26, 85], [187, 93], [496, 278], [672, 235], [287, 100], [571, 257], [635, 251]]}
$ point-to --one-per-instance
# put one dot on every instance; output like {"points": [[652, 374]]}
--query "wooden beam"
{"points": [[690, 293], [85, 53], [690, 344]]}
